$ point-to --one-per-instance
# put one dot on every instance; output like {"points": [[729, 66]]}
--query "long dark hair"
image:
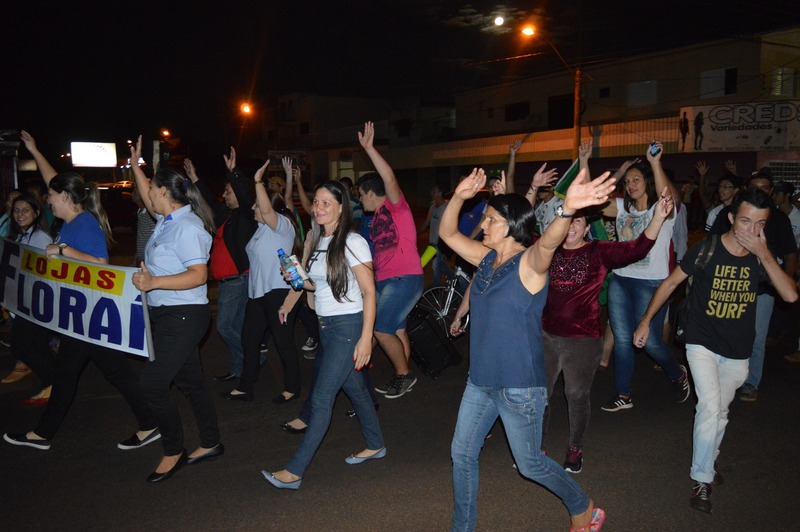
{"points": [[183, 191], [650, 186], [39, 221], [86, 195], [338, 268]]}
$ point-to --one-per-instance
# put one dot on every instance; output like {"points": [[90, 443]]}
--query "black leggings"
{"points": [[262, 314], [30, 343]]}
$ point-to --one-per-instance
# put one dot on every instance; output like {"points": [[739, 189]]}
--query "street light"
{"points": [[245, 108]]}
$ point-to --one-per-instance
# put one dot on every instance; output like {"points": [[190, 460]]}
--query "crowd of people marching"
{"points": [[536, 258]]}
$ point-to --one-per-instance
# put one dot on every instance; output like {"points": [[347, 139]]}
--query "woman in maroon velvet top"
{"points": [[573, 339]]}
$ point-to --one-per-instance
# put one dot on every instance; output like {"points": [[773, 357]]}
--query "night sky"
{"points": [[98, 71]]}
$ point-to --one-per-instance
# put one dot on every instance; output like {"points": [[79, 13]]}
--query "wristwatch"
{"points": [[61, 249], [561, 214]]}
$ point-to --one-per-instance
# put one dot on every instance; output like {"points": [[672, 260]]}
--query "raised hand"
{"points": [[585, 150], [512, 150], [136, 151], [29, 141], [702, 168], [191, 171], [585, 194], [230, 160], [499, 186], [730, 166], [471, 184], [544, 178], [657, 157], [627, 164], [260, 171], [367, 138], [287, 167]]}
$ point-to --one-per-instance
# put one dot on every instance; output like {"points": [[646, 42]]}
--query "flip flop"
{"points": [[598, 518]]}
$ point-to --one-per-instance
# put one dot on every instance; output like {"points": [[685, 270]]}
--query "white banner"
{"points": [[93, 302], [759, 126]]}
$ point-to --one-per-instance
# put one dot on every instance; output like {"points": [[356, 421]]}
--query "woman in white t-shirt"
{"points": [[632, 287], [342, 279]]}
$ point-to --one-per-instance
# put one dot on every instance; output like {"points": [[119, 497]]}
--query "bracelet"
{"points": [[259, 182]]}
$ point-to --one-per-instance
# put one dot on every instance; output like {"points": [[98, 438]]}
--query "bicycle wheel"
{"points": [[443, 302]]}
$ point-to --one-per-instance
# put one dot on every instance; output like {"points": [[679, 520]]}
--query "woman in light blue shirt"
{"points": [[174, 274]]}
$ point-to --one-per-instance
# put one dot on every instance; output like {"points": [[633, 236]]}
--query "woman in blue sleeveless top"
{"points": [[507, 376]]}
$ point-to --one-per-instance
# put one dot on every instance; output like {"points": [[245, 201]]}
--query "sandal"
{"points": [[598, 518], [17, 375]]}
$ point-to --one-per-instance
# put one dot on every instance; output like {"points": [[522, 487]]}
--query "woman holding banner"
{"points": [[83, 236], [174, 274]]}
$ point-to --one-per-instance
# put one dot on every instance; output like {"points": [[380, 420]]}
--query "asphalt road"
{"points": [[636, 462]]}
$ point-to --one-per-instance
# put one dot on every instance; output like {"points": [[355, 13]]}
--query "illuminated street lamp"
{"points": [[165, 133], [246, 109]]}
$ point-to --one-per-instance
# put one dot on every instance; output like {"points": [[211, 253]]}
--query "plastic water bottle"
{"points": [[288, 265]]}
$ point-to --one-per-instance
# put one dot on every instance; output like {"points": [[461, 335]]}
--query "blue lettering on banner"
{"points": [[136, 325], [10, 249], [72, 304], [105, 320], [42, 301]]}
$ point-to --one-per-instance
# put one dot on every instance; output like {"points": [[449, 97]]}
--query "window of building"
{"points": [[605, 92], [518, 111], [719, 82], [784, 82], [560, 111], [642, 93]]}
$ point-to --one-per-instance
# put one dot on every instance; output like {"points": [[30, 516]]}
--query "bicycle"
{"points": [[442, 300]]}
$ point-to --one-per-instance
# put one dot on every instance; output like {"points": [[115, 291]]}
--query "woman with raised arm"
{"points": [[631, 287], [266, 292], [344, 293], [573, 337], [83, 236], [507, 376], [174, 274]]}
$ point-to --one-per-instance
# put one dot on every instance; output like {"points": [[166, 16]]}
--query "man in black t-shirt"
{"points": [[780, 241], [726, 273]]}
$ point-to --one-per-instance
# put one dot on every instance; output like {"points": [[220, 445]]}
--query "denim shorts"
{"points": [[396, 297]]}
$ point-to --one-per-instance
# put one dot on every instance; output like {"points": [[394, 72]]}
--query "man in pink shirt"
{"points": [[398, 270]]}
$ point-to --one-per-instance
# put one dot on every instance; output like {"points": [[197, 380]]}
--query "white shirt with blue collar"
{"points": [[179, 240]]}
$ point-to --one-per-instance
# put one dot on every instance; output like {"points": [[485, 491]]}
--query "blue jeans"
{"points": [[716, 379], [764, 305], [396, 297], [339, 335], [305, 412], [627, 302], [231, 301], [521, 410]]}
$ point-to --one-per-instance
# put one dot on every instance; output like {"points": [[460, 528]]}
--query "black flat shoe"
{"points": [[281, 399], [291, 430], [216, 451], [160, 477], [247, 397], [225, 378]]}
